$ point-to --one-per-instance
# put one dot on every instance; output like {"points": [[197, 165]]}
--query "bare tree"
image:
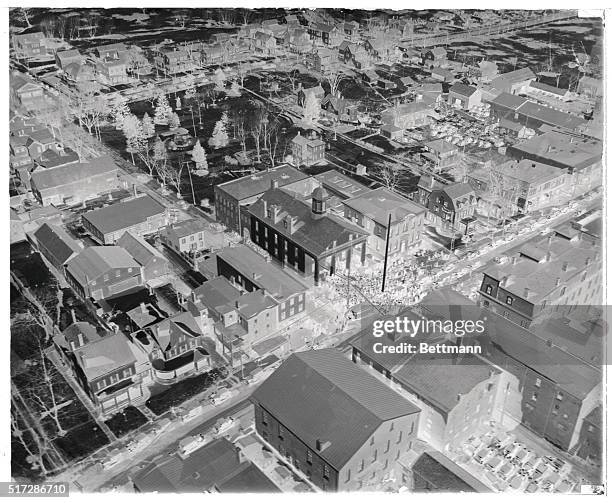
{"points": [[390, 176], [175, 178], [334, 77], [36, 458], [24, 14]]}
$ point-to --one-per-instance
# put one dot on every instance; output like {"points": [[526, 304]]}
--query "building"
{"points": [[542, 90], [518, 186], [240, 318], [514, 82], [339, 187], [459, 395], [40, 141], [80, 73], [408, 115], [186, 237], [218, 466], [305, 237], [442, 74], [580, 156], [464, 97], [264, 43], [307, 151], [176, 61], [112, 71], [154, 265], [252, 272], [74, 183], [435, 57], [333, 421], [371, 211], [450, 206], [27, 93], [532, 115], [105, 365], [554, 270], [175, 346], [559, 367], [434, 472], [29, 45], [55, 245], [141, 215], [110, 51], [442, 153], [65, 58], [99, 272], [303, 92], [233, 197]]}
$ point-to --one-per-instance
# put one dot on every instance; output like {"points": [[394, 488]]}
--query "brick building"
{"points": [[340, 426]]}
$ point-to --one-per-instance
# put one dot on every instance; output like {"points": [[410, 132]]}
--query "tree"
{"points": [[134, 135], [334, 77], [219, 137], [174, 121], [312, 108], [390, 176], [23, 14], [198, 154], [162, 110], [119, 111], [219, 79], [234, 90], [175, 178], [148, 127], [152, 92]]}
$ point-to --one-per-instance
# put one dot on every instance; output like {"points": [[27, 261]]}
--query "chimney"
{"points": [[274, 184], [291, 223], [322, 445], [550, 239], [547, 257], [74, 320], [80, 339], [458, 397], [565, 266], [265, 206], [194, 297], [503, 281], [557, 281], [134, 190], [587, 261], [526, 293], [143, 308], [514, 260]]}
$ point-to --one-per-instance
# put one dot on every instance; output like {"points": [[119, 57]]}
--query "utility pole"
{"points": [[386, 254]]}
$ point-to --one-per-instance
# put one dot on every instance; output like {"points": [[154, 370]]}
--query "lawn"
{"points": [[176, 394], [127, 420]]}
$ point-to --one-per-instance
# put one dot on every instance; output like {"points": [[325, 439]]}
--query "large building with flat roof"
{"points": [[332, 420], [140, 215], [547, 272], [371, 211], [231, 198]]}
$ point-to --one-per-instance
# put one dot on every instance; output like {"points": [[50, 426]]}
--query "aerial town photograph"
{"points": [[292, 250]]}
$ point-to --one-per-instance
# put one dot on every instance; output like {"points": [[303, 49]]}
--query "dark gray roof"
{"points": [[71, 173], [315, 235], [212, 464], [322, 395], [462, 89], [124, 214], [57, 242], [443, 475]]}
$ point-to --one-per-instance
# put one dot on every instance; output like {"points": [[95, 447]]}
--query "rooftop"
{"points": [[316, 235], [323, 396], [72, 173], [124, 214], [443, 475], [531, 172], [516, 76], [256, 184], [56, 241], [265, 275], [105, 355], [187, 227], [378, 204], [336, 182], [94, 261], [139, 248]]}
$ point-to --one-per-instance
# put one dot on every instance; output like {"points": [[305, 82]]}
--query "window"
{"points": [[106, 277], [326, 472], [309, 457], [264, 417], [534, 397], [399, 437], [117, 273], [388, 446], [489, 289], [538, 383], [506, 314], [559, 396], [509, 300], [524, 323], [485, 303], [281, 431]]}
